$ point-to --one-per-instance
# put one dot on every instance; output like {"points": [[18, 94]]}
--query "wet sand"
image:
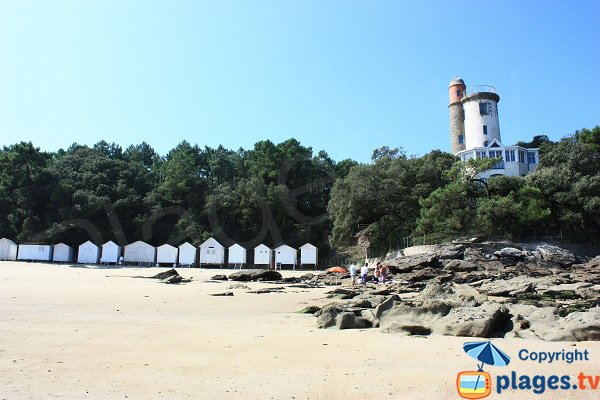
{"points": [[96, 333]]}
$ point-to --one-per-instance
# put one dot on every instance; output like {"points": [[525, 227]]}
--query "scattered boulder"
{"points": [[481, 321], [555, 254], [165, 274], [219, 277], [222, 294], [255, 275], [460, 266], [239, 286]]}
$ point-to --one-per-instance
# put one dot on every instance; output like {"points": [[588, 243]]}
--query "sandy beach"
{"points": [[98, 333]]}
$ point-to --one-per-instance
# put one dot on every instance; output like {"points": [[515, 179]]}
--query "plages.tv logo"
{"points": [[478, 384]]}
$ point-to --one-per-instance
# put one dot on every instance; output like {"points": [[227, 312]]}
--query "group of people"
{"points": [[380, 274]]}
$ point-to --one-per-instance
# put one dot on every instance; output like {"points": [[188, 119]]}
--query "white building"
{"points": [[188, 254], [88, 253], [263, 255], [286, 255], [236, 255], [35, 252], [475, 131], [111, 253], [140, 253], [62, 253], [8, 250], [309, 254], [212, 252], [166, 254]]}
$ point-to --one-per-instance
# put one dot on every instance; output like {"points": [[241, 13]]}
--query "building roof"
{"points": [[456, 81]]}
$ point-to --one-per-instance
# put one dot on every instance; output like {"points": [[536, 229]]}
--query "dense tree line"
{"points": [[272, 193], [276, 193]]}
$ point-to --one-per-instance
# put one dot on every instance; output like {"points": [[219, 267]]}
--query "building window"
{"points": [[485, 143], [481, 154], [461, 139], [522, 157], [484, 108], [510, 155], [495, 153], [485, 129], [458, 93], [530, 158]]}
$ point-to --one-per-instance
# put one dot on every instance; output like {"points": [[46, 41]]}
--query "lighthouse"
{"points": [[475, 131], [456, 91]]}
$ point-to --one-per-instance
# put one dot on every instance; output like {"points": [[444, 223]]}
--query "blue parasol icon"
{"points": [[487, 353]]}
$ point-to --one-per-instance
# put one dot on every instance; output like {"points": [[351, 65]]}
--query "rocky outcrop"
{"points": [[255, 275]]}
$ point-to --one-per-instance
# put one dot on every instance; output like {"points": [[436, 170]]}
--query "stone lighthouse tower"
{"points": [[480, 106], [456, 92]]}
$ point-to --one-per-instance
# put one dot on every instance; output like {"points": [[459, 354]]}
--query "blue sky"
{"points": [[344, 76]]}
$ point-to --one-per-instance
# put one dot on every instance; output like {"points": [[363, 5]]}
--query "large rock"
{"points": [[255, 275], [583, 325], [480, 321], [555, 254], [460, 266], [510, 252], [517, 285], [337, 316]]}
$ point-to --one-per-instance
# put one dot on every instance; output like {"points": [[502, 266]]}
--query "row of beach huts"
{"points": [[209, 253]]}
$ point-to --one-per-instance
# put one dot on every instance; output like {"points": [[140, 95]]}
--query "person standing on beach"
{"points": [[364, 271], [353, 273]]}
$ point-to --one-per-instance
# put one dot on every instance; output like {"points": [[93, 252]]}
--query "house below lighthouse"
{"points": [[475, 131]]}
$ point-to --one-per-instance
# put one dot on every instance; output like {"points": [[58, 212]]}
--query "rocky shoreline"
{"points": [[534, 291]]}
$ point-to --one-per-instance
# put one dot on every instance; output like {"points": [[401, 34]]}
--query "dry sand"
{"points": [[94, 333]]}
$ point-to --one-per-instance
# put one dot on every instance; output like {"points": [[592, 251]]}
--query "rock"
{"points": [[239, 286], [173, 279], [460, 266], [255, 275], [342, 293], [473, 254], [517, 285], [165, 275], [219, 277], [326, 316], [583, 325], [555, 254], [453, 295], [222, 294], [267, 290], [409, 319], [367, 300], [480, 321], [510, 252], [453, 252], [348, 320], [310, 310]]}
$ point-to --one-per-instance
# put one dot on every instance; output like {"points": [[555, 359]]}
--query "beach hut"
{"points": [[237, 255], [212, 252], [188, 254], [62, 253], [111, 252], [286, 255], [166, 254], [35, 252], [140, 253], [263, 255], [88, 253], [309, 254], [8, 250]]}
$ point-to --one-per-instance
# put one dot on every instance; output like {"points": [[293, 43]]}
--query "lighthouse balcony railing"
{"points": [[480, 89]]}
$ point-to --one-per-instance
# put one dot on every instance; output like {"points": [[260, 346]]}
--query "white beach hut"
{"points": [[309, 254], [35, 252], [62, 253], [212, 252], [166, 254], [237, 255], [8, 250], [188, 254], [263, 255], [111, 252], [140, 253], [286, 255], [88, 253]]}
